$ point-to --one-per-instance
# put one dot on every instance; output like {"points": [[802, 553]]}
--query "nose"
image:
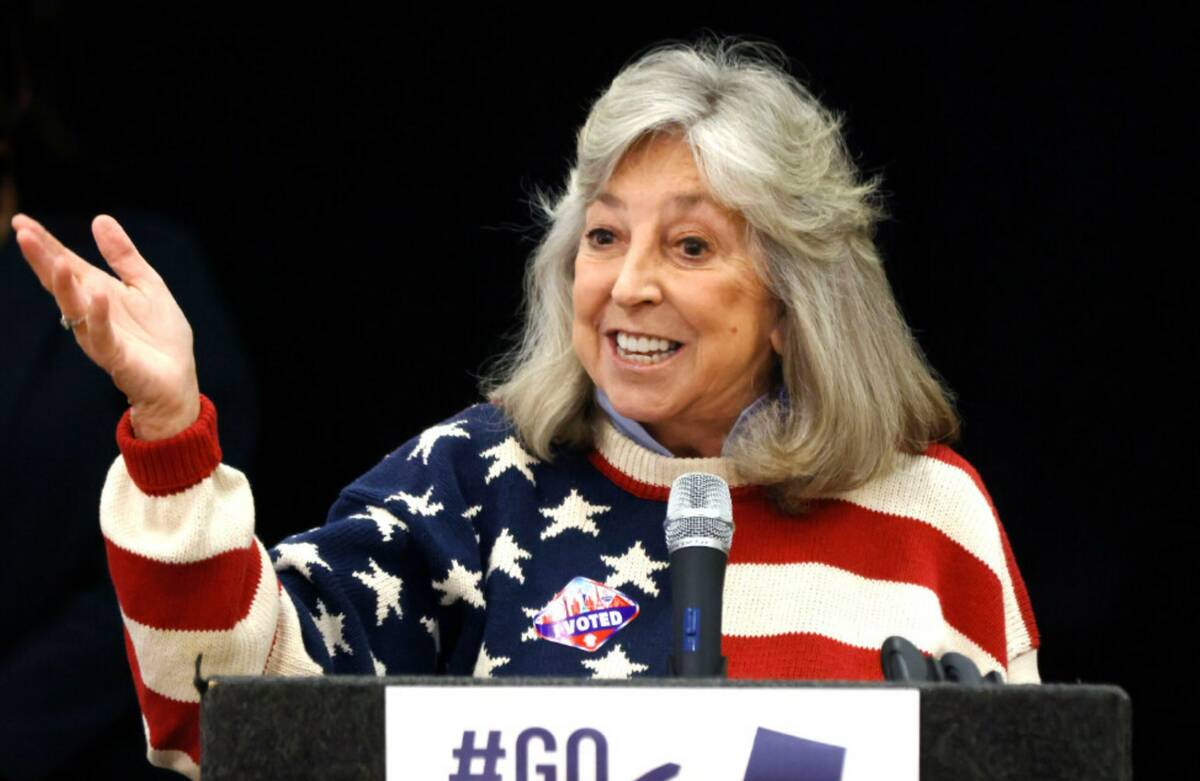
{"points": [[638, 280]]}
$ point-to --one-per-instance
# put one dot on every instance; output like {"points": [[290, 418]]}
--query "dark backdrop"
{"points": [[361, 183]]}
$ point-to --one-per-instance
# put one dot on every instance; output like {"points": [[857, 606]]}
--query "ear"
{"points": [[777, 334]]}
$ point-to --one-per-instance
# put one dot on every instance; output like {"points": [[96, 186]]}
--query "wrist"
{"points": [[156, 422]]}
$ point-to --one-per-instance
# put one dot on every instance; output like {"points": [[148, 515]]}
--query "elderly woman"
{"points": [[707, 297]]}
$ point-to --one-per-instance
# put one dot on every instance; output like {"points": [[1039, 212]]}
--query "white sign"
{"points": [[574, 733]]}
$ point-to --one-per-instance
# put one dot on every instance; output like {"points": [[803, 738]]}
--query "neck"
{"points": [[680, 440], [691, 441]]}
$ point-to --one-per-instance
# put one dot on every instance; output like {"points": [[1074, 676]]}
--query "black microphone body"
{"points": [[699, 532], [697, 582]]}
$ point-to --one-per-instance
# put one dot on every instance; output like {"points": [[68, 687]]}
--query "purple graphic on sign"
{"points": [[780, 757]]}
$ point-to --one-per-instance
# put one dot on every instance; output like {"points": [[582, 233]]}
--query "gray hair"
{"points": [[859, 390]]}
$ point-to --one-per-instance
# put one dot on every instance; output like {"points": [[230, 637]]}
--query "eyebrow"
{"points": [[683, 200]]}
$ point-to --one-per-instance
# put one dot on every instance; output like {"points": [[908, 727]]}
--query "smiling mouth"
{"points": [[646, 350]]}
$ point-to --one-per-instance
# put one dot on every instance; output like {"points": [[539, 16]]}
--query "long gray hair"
{"points": [[859, 390]]}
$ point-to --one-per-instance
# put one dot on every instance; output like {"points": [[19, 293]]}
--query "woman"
{"points": [[707, 297]]}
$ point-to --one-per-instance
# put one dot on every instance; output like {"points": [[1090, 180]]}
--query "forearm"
{"points": [[191, 579]]}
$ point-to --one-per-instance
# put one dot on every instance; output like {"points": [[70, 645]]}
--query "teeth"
{"points": [[644, 344], [645, 349]]}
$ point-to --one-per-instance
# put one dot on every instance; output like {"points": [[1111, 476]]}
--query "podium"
{"points": [[334, 727]]}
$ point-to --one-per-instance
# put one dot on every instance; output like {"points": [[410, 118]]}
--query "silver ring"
{"points": [[68, 324]]}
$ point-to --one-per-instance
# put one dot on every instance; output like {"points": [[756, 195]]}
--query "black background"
{"points": [[361, 184]]}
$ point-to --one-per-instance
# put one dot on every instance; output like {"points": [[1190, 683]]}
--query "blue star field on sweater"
{"points": [[439, 557]]}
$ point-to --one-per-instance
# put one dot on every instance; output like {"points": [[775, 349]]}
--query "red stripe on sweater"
{"points": [[213, 594], [173, 725], [167, 466], [804, 656], [948, 456], [882, 547], [658, 493]]}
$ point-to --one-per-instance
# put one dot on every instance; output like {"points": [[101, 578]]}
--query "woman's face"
{"points": [[671, 321]]}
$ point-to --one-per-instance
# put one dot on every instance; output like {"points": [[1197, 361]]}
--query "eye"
{"points": [[600, 237], [694, 247]]}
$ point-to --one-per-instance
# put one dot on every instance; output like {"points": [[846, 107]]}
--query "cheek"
{"points": [[588, 294], [585, 312], [736, 317]]}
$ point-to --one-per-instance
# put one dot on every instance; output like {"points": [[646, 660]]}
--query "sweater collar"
{"points": [[650, 468]]}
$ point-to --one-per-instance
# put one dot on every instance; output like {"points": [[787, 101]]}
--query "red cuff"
{"points": [[168, 466]]}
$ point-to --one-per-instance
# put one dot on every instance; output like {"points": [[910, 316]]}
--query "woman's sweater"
{"points": [[442, 555]]}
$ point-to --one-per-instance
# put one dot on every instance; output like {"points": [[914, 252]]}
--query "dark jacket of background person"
{"points": [[67, 705]]}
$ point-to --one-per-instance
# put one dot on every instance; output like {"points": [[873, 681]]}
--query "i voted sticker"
{"points": [[585, 614]]}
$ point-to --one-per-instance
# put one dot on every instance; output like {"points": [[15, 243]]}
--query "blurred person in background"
{"points": [[67, 706]]}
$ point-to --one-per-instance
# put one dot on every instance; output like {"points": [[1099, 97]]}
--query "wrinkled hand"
{"points": [[131, 326]]}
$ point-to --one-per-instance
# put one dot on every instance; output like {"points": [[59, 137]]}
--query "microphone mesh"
{"points": [[699, 512]]}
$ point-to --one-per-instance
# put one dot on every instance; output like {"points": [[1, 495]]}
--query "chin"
{"points": [[636, 406]]}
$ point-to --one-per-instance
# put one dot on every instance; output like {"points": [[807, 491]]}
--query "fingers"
{"points": [[69, 294], [100, 326], [93, 330], [119, 252], [41, 250], [37, 255]]}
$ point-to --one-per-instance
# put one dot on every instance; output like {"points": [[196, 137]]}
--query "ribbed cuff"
{"points": [[168, 466]]}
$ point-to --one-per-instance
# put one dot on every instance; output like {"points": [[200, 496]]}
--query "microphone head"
{"points": [[699, 513]]}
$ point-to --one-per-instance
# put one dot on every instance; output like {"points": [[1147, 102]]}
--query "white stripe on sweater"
{"points": [[946, 498], [288, 656], [764, 600], [214, 516], [167, 657], [1024, 668], [170, 759]]}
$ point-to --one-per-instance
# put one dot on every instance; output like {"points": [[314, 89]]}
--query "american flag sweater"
{"points": [[438, 559]]}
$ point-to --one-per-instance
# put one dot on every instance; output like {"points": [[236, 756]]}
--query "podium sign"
{"points": [[556, 733]]}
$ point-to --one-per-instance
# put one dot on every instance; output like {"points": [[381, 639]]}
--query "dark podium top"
{"points": [[333, 727]]}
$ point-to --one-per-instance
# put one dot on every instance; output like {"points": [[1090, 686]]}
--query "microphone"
{"points": [[699, 530], [903, 661]]}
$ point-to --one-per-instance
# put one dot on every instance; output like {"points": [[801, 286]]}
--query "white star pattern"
{"points": [[471, 512], [383, 519], [614, 664], [418, 505], [530, 632], [330, 625], [299, 556], [574, 513], [431, 626], [460, 583], [387, 591], [379, 668], [636, 567], [484, 664], [431, 435], [508, 455], [506, 557]]}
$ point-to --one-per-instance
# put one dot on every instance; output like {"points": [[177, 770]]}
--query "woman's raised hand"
{"points": [[129, 325]]}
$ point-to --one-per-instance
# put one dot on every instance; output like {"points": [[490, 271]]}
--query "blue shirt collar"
{"points": [[638, 433]]}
